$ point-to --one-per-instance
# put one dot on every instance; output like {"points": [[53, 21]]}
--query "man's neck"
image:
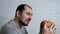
{"points": [[16, 22]]}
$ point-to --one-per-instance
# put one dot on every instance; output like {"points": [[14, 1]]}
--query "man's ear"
{"points": [[18, 13]]}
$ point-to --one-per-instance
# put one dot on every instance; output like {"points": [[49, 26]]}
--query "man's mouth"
{"points": [[28, 20]]}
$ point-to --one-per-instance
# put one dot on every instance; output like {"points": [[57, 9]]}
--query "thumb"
{"points": [[45, 26]]}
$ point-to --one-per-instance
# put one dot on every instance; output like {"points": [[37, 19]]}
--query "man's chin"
{"points": [[26, 23]]}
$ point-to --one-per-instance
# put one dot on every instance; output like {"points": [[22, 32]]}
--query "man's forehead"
{"points": [[28, 6], [28, 9]]}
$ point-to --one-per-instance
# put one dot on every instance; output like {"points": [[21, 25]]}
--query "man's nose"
{"points": [[30, 17]]}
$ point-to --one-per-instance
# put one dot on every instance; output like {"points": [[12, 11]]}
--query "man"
{"points": [[22, 18]]}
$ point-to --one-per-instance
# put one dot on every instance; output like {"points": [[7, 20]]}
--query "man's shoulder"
{"points": [[7, 26]]}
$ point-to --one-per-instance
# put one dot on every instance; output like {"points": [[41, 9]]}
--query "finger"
{"points": [[52, 26], [53, 32], [54, 29], [45, 26]]}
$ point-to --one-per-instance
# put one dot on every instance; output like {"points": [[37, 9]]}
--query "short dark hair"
{"points": [[21, 8]]}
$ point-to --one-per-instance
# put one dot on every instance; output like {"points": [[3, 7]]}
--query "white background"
{"points": [[42, 10]]}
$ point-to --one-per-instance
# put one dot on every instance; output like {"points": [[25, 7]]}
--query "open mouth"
{"points": [[27, 21]]}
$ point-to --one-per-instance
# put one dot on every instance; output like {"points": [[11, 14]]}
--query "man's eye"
{"points": [[28, 13]]}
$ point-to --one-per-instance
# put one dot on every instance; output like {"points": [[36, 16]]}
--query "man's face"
{"points": [[26, 16]]}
